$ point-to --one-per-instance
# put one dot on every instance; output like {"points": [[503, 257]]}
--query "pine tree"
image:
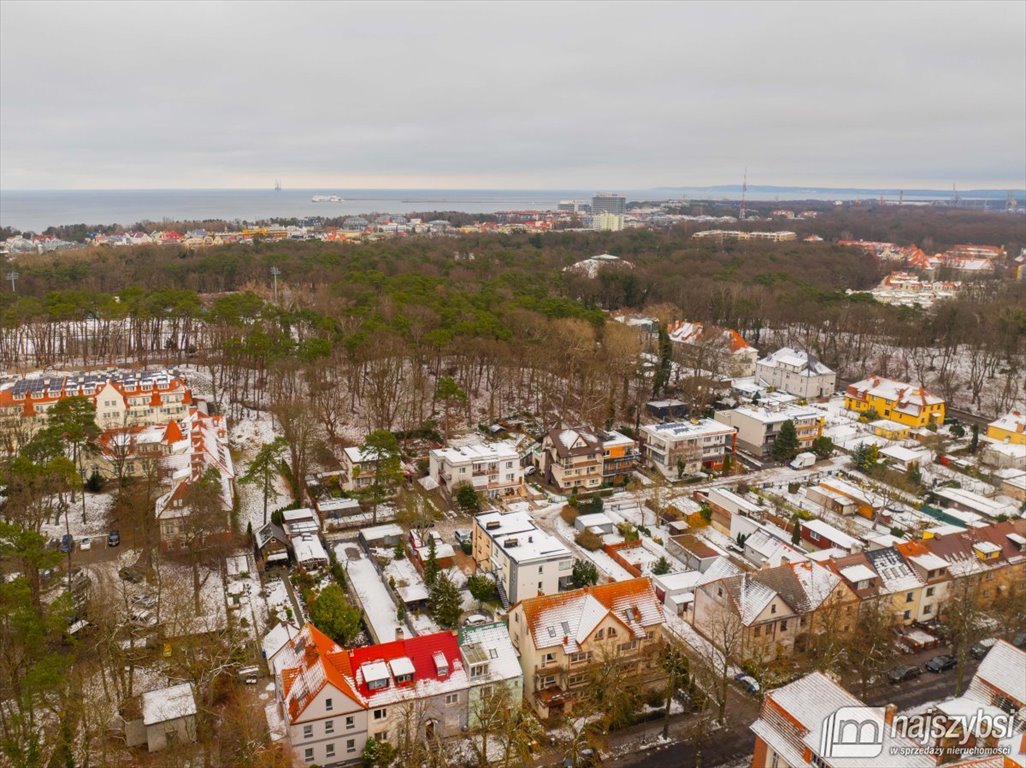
{"points": [[661, 566], [445, 601], [796, 531], [786, 445], [431, 568]]}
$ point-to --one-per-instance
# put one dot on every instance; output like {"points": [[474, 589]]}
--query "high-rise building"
{"points": [[607, 202]]}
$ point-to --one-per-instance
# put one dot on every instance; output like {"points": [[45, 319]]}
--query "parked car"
{"points": [[143, 618], [982, 648], [749, 683], [475, 620], [131, 575], [941, 663], [462, 536], [113, 539], [249, 675], [85, 544], [67, 543], [903, 672]]}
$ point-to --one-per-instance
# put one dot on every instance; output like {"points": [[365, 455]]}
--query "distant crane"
{"points": [[277, 185], [744, 191], [954, 195]]}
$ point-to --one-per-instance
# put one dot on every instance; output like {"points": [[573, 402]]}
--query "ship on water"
{"points": [[327, 199], [277, 185]]}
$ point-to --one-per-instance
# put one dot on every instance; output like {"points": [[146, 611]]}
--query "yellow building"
{"points": [[895, 400], [1010, 428]]}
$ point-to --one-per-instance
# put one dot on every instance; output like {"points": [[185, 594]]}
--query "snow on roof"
{"points": [[495, 644], [796, 358], [168, 704], [378, 607], [1003, 669], [377, 532], [503, 450], [834, 535], [594, 518], [276, 639], [975, 502], [894, 391], [434, 661], [751, 598], [591, 267], [807, 702], [895, 575], [688, 429], [568, 618], [1013, 421], [401, 666], [308, 549], [857, 573], [237, 565], [776, 414]]}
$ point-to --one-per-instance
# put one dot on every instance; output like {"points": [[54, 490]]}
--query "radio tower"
{"points": [[744, 192]]}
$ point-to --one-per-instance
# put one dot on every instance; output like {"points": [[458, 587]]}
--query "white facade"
{"points": [[795, 372], [493, 469], [526, 560], [695, 444], [758, 427]]}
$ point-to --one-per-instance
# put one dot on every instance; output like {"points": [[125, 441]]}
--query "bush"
{"points": [[588, 540], [584, 573], [569, 514], [481, 587], [467, 547]]}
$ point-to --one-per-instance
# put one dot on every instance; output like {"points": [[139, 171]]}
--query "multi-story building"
{"points": [[686, 447], [607, 202], [759, 426], [330, 700], [895, 400], [796, 372], [525, 560], [358, 468], [492, 469], [718, 351], [122, 398], [774, 611], [562, 640], [324, 715], [572, 459], [620, 457]]}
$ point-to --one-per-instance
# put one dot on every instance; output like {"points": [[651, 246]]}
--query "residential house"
{"points": [[325, 715], [933, 573], [796, 372], [725, 504], [359, 466], [563, 638], [276, 639], [844, 498], [491, 469], [759, 426], [994, 556], [271, 545], [898, 584], [491, 662], [895, 400], [1010, 428], [525, 560], [419, 544], [169, 716], [775, 611], [572, 459], [819, 534], [676, 591], [683, 448], [716, 350]]}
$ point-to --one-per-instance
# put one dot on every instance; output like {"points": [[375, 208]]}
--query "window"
{"points": [[329, 750], [600, 634], [380, 714], [452, 698], [539, 586], [307, 731], [350, 746], [757, 632], [908, 597], [929, 591], [548, 680], [612, 631], [773, 608], [928, 608], [350, 723], [814, 536], [328, 705], [541, 568], [906, 614], [577, 658], [329, 726], [783, 626], [308, 754]]}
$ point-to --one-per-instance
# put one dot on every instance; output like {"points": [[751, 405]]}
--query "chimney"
{"points": [[398, 631], [889, 711]]}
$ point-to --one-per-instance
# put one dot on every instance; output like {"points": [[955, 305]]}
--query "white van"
{"points": [[803, 460]]}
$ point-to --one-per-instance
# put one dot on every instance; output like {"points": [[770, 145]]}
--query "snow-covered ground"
{"points": [[378, 607], [95, 524]]}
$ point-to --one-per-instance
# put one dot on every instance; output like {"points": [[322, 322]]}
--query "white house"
{"points": [[169, 716], [797, 372], [688, 445], [492, 469]]}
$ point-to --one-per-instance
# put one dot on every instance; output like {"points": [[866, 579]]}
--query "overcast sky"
{"points": [[526, 95]]}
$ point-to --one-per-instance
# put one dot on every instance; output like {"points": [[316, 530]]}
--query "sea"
{"points": [[35, 210]]}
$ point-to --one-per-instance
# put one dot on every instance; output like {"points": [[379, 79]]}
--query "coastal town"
{"points": [[523, 590]]}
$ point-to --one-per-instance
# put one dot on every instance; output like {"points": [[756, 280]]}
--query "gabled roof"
{"points": [[434, 659], [166, 704], [1002, 671], [573, 442], [308, 663], [568, 619], [803, 586]]}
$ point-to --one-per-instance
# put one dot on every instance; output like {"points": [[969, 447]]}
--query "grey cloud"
{"points": [[562, 95]]}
